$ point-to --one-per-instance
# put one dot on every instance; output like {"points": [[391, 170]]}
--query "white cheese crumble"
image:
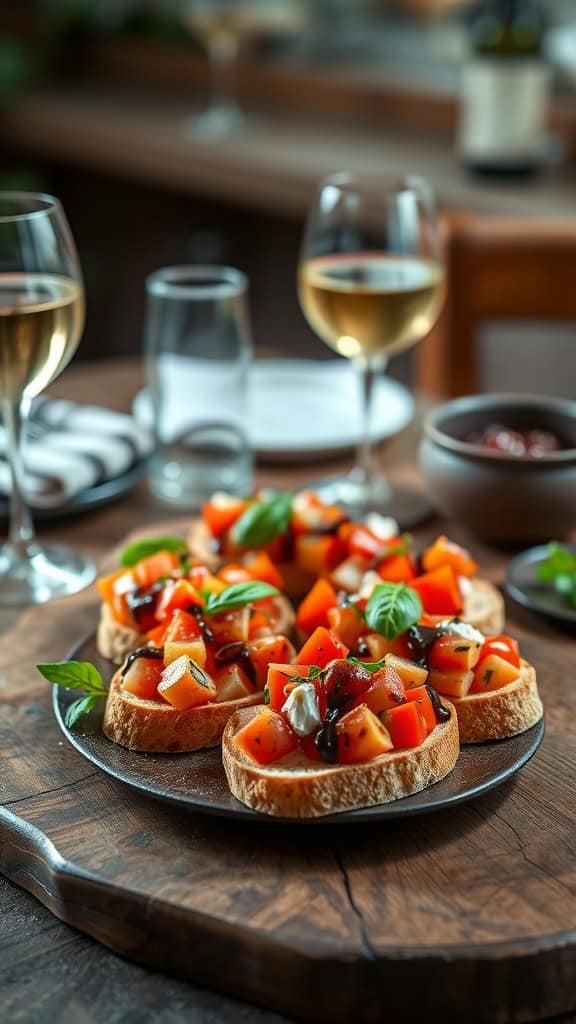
{"points": [[383, 527], [370, 580], [125, 584], [463, 629], [465, 585], [301, 709]]}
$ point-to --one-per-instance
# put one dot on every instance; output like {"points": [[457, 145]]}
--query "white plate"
{"points": [[301, 408]]}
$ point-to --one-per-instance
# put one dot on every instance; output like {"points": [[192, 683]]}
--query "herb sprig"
{"points": [[76, 675], [559, 569]]}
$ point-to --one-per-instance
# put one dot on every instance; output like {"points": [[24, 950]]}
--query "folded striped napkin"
{"points": [[70, 448]]}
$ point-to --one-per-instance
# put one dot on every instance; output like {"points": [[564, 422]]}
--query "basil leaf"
{"points": [[371, 666], [76, 675], [559, 562], [150, 546], [79, 708], [392, 609], [263, 521], [237, 595]]}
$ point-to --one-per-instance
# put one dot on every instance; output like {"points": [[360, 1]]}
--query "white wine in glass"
{"points": [[370, 284], [41, 322]]}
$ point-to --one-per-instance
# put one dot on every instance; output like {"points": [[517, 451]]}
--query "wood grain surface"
{"points": [[468, 914]]}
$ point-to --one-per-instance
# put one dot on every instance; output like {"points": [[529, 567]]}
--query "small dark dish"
{"points": [[524, 587], [504, 498]]}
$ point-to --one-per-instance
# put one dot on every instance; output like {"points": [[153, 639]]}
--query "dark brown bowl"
{"points": [[500, 497]]}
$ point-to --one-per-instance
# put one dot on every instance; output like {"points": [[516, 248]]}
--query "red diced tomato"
{"points": [[320, 648], [261, 567], [182, 626], [347, 624], [151, 569], [267, 738], [267, 651], [397, 569], [361, 541], [142, 678], [361, 736], [385, 691], [445, 552], [222, 512], [318, 554], [406, 725], [422, 697], [439, 591], [176, 594], [156, 637], [454, 654], [492, 673], [314, 609], [504, 646], [230, 627], [278, 684]]}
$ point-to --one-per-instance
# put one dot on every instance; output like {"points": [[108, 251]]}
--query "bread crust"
{"points": [[484, 607], [296, 787], [157, 728], [501, 713], [115, 641]]}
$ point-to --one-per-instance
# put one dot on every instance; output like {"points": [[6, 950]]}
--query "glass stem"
{"points": [[223, 54], [364, 470], [21, 533]]}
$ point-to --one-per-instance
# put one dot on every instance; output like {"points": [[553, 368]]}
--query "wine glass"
{"points": [[370, 284], [41, 320]]}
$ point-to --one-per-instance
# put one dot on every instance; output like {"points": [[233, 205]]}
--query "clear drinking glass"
{"points": [[220, 25], [370, 284], [41, 321], [198, 350]]}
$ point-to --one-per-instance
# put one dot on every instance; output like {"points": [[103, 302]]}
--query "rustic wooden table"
{"points": [[509, 870]]}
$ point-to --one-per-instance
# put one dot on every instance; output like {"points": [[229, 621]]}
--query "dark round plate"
{"points": [[526, 589], [197, 781], [92, 497]]}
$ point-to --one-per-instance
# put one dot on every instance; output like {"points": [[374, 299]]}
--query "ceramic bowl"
{"points": [[500, 497]]}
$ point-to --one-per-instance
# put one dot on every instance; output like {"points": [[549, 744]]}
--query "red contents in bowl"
{"points": [[534, 443]]}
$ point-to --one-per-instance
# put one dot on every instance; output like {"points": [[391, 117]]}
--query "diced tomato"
{"points": [[259, 624], [451, 684], [232, 683], [406, 725], [233, 573], [222, 512], [504, 646], [445, 552], [203, 579], [454, 654], [113, 589], [397, 569], [194, 649], [492, 673], [261, 567], [361, 541], [267, 738], [421, 695], [185, 685], [182, 627], [229, 627], [318, 554], [151, 569], [320, 648], [156, 637], [347, 624], [267, 651], [314, 609], [311, 515], [349, 574], [439, 591], [278, 684], [176, 594], [385, 691], [379, 647], [342, 682], [410, 673], [361, 736], [142, 678]]}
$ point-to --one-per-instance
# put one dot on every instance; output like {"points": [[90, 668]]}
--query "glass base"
{"points": [[48, 572], [215, 123], [408, 506]]}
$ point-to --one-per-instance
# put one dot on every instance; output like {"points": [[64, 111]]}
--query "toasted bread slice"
{"points": [[153, 727], [296, 787], [500, 713], [484, 607]]}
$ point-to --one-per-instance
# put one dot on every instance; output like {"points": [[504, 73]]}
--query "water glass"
{"points": [[198, 350]]}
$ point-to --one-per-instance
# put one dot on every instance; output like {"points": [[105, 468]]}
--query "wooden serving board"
{"points": [[465, 914]]}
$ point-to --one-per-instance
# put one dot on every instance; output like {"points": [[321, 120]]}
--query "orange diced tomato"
{"points": [[203, 579], [379, 647], [397, 569], [492, 673], [422, 697], [504, 646], [386, 691], [260, 624], [174, 595], [445, 552], [182, 626], [222, 512], [410, 673], [261, 567], [451, 684], [439, 591], [194, 649], [267, 738], [454, 653], [151, 569], [361, 736], [185, 685], [142, 678], [156, 637], [347, 624], [269, 650], [278, 684], [232, 683], [314, 609], [234, 573], [318, 554], [406, 725], [320, 648], [229, 627], [108, 585]]}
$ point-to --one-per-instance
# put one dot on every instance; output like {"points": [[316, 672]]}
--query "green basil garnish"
{"points": [[76, 675], [238, 594], [134, 553], [392, 609], [263, 521]]}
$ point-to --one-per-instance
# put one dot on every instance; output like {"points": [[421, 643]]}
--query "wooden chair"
{"points": [[497, 269]]}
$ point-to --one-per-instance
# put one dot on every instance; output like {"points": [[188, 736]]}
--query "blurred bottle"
{"points": [[505, 90]]}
